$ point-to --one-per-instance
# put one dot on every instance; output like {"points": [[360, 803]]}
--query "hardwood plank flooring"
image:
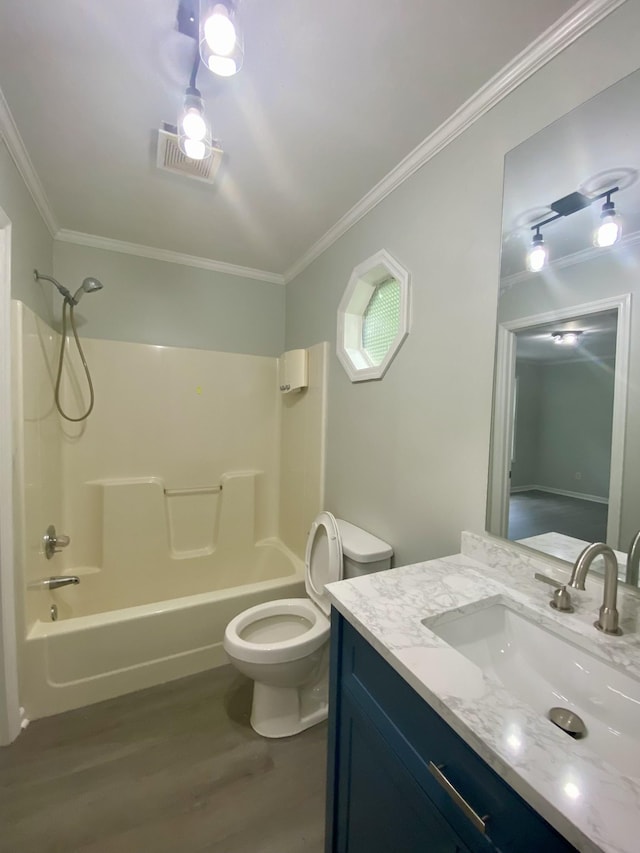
{"points": [[173, 768]]}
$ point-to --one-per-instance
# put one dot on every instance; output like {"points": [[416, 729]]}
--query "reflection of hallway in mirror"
{"points": [[534, 512]]}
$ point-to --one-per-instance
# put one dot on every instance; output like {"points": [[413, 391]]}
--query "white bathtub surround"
{"points": [[175, 494], [586, 799]]}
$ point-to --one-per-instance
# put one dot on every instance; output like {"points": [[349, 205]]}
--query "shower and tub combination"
{"points": [[187, 492]]}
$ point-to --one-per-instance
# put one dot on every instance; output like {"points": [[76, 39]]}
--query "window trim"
{"points": [[364, 279]]}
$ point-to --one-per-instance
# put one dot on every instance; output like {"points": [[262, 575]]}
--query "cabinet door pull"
{"points": [[480, 823]]}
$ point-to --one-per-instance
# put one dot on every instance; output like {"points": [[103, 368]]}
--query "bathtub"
{"points": [[91, 653]]}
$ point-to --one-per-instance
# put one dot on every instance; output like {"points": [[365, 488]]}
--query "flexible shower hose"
{"points": [[61, 362]]}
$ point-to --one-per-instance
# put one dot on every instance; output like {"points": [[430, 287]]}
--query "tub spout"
{"points": [[63, 580]]}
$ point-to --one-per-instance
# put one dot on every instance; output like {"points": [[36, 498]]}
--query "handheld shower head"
{"points": [[89, 285]]}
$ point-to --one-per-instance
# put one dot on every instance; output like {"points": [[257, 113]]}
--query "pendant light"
{"points": [[220, 37], [194, 131]]}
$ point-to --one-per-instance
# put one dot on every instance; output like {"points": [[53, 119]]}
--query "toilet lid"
{"points": [[323, 559]]}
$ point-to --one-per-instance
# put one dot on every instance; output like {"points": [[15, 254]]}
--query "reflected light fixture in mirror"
{"points": [[567, 339], [605, 235], [609, 230], [538, 253]]}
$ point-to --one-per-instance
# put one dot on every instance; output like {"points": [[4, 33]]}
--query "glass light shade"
{"points": [[221, 42], [191, 121], [609, 230], [537, 255], [219, 31], [195, 149], [194, 125]]}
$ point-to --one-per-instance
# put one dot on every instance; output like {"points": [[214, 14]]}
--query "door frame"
{"points": [[10, 718], [502, 432]]}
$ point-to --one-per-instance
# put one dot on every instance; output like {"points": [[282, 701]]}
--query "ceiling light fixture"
{"points": [[567, 339], [220, 37], [538, 254], [609, 230], [605, 235], [194, 132]]}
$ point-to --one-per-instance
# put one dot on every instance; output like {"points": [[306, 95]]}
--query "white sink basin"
{"points": [[546, 670]]}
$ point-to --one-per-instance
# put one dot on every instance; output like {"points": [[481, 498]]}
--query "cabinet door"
{"points": [[379, 808]]}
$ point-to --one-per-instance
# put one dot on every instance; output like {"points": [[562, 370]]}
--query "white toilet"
{"points": [[283, 645]]}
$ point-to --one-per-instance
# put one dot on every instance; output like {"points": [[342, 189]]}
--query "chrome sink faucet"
{"points": [[608, 617]]}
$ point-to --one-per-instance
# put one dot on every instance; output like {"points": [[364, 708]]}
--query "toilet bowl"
{"points": [[283, 645]]}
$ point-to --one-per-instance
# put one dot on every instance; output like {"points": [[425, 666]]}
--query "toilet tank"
{"points": [[362, 552]]}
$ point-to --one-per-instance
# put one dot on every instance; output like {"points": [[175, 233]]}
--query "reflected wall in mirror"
{"points": [[566, 416]]}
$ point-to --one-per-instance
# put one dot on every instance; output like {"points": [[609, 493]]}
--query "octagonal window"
{"points": [[373, 317]]}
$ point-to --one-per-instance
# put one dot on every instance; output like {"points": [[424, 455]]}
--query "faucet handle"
{"points": [[53, 541], [561, 600]]}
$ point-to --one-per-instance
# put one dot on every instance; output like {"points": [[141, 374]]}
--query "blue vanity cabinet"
{"points": [[400, 780]]}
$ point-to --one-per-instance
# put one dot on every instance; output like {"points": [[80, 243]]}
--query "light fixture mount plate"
{"points": [[571, 203], [187, 18]]}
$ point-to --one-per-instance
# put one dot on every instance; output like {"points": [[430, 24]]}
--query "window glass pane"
{"points": [[381, 320]]}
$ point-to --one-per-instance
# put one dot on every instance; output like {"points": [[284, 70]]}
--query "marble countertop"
{"points": [[567, 548], [587, 800]]}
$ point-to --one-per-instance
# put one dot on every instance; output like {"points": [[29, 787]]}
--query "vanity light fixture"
{"points": [[567, 339], [220, 37], [607, 233], [194, 131]]}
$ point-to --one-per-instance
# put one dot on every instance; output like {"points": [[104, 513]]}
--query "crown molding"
{"points": [[15, 145], [584, 15], [581, 257], [95, 242]]}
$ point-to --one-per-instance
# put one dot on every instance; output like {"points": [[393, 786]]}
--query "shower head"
{"points": [[89, 285]]}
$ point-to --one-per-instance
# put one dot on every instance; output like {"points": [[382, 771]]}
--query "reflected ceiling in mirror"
{"points": [[566, 414]]}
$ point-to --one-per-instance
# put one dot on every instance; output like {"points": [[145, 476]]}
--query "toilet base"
{"points": [[284, 711]]}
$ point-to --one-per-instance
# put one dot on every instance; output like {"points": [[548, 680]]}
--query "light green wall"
{"points": [[575, 434], [31, 243], [155, 302], [407, 456], [527, 425]]}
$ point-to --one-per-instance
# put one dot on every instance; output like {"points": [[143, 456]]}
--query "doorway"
{"points": [[559, 421]]}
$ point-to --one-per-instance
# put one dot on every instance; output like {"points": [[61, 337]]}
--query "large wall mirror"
{"points": [[565, 460]]}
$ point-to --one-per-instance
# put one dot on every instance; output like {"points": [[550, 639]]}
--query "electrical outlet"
{"points": [[578, 475]]}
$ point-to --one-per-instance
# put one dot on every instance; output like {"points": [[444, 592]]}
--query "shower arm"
{"points": [[61, 288]]}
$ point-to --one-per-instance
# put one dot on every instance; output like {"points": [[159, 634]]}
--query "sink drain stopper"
{"points": [[569, 722]]}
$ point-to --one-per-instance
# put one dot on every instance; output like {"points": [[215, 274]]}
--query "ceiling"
{"points": [[332, 96], [596, 144]]}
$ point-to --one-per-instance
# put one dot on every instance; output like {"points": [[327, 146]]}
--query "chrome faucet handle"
{"points": [[54, 542], [561, 598]]}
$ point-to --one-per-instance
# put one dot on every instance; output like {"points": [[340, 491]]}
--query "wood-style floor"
{"points": [[534, 512], [173, 768]]}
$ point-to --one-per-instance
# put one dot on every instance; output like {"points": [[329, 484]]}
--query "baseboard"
{"points": [[597, 499]]}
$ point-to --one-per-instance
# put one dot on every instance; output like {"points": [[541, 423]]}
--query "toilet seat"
{"points": [[278, 651], [322, 559], [323, 564]]}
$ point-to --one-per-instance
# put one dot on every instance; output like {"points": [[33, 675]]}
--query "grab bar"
{"points": [[199, 490]]}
